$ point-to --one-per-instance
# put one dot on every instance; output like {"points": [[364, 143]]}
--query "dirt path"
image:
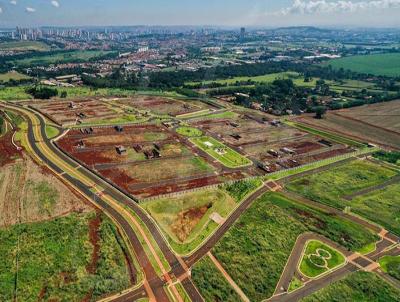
{"points": [[228, 278]]}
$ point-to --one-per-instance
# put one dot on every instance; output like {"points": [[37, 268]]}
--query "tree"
{"points": [[63, 94], [320, 112]]}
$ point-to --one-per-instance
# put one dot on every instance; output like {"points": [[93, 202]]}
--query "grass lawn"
{"points": [[220, 152], [189, 131], [255, 250], [186, 218], [391, 265], [55, 258], [51, 131], [295, 284], [329, 187], [211, 283], [319, 258], [357, 287], [14, 93], [377, 64], [5, 77]]}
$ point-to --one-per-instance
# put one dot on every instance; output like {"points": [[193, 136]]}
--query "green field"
{"points": [[295, 284], [24, 46], [189, 131], [63, 57], [55, 259], [220, 152], [211, 283], [265, 79], [5, 77], [377, 64], [319, 258], [330, 187], [391, 265], [51, 131], [357, 287], [255, 250], [186, 218]]}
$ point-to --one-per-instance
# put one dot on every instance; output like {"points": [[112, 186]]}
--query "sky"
{"points": [[259, 13]]}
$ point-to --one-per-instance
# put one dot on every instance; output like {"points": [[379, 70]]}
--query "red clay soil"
{"points": [[8, 152], [187, 220], [94, 238], [304, 147], [42, 293]]}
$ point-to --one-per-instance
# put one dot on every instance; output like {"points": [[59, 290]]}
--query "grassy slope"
{"points": [[357, 287], [256, 248], [5, 77], [24, 45], [54, 255], [391, 265], [378, 64], [211, 283]]}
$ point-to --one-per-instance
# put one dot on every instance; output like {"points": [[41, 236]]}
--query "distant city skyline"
{"points": [[268, 13]]}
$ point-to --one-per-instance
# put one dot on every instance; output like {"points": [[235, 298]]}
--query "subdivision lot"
{"points": [[358, 286], [332, 186], [273, 146], [145, 160], [255, 250], [165, 106]]}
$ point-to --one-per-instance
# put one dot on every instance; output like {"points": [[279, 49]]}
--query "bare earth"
{"points": [[29, 193]]}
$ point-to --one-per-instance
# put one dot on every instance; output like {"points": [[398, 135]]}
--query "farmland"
{"points": [[255, 250], [342, 187], [376, 64], [76, 272], [359, 286]]}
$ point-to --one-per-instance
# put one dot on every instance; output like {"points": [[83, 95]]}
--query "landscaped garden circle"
{"points": [[189, 131], [319, 258]]}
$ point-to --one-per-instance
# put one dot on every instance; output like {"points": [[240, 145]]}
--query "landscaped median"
{"points": [[225, 155], [319, 259]]}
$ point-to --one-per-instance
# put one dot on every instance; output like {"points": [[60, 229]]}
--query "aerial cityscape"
{"points": [[200, 151]]}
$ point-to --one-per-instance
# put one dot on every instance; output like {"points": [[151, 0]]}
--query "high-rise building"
{"points": [[242, 33]]}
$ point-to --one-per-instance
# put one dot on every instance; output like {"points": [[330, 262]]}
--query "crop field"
{"points": [[225, 155], [382, 115], [376, 64], [344, 187], [255, 250], [319, 258], [79, 257], [358, 286], [359, 130], [166, 107], [145, 160], [187, 217], [276, 147]]}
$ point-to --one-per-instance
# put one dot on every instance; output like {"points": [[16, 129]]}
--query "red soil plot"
{"points": [[8, 152]]}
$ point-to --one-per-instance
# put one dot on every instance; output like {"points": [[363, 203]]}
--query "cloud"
{"points": [[55, 3], [30, 9], [13, 2], [305, 7]]}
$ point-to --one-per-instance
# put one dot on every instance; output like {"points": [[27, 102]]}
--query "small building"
{"points": [[236, 136], [275, 123], [138, 148], [325, 142], [121, 150], [72, 105], [273, 153], [81, 115], [119, 128], [152, 154], [287, 150]]}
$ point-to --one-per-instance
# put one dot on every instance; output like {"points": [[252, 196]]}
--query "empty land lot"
{"points": [[255, 250], [331, 187], [146, 160]]}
